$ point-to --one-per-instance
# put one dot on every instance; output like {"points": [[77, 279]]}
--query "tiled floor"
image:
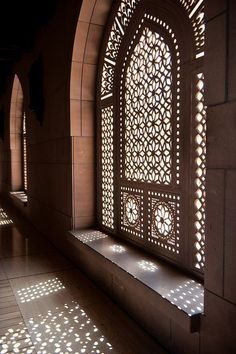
{"points": [[48, 306]]}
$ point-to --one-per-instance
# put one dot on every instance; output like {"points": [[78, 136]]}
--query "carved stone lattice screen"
{"points": [[152, 139], [132, 211], [148, 111], [200, 173], [107, 168], [164, 220], [24, 142]]}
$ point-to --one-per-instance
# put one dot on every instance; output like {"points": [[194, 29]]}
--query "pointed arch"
{"points": [[17, 137], [87, 42]]}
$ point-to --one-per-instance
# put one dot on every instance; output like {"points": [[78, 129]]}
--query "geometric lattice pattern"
{"points": [[124, 14], [195, 10], [121, 21], [150, 131], [148, 111], [107, 147], [199, 30], [164, 220], [113, 44], [107, 75], [132, 211], [200, 171]]}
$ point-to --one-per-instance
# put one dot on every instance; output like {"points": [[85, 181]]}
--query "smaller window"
{"points": [[24, 152]]}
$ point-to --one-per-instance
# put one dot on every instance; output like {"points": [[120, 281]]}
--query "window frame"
{"points": [[24, 152], [191, 65]]}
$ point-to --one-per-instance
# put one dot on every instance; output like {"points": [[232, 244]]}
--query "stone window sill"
{"points": [[20, 196], [179, 296]]}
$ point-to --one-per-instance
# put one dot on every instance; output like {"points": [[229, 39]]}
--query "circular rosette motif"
{"points": [[132, 210], [163, 220]]}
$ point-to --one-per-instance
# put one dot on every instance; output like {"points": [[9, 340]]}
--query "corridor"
{"points": [[49, 306]]}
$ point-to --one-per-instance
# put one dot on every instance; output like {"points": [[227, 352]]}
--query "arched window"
{"points": [[152, 128], [24, 152], [18, 142]]}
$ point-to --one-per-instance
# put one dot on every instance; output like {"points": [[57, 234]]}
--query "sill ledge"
{"points": [[21, 196], [178, 296]]}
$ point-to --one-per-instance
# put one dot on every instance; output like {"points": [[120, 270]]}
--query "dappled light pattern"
{"points": [[4, 219], [69, 330], [188, 297], [118, 248], [180, 290], [16, 340], [91, 236], [39, 290], [147, 266]]}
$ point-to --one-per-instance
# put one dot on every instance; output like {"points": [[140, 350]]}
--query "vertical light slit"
{"points": [[200, 174], [107, 168], [24, 154]]}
